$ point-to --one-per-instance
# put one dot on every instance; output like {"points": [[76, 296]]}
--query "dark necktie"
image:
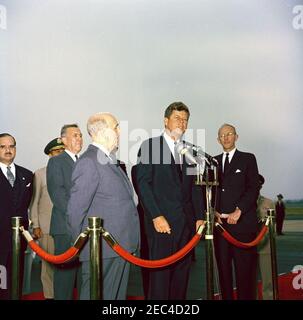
{"points": [[10, 176], [77, 157], [226, 162]]}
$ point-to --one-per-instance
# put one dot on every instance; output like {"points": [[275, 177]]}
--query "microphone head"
{"points": [[181, 148]]}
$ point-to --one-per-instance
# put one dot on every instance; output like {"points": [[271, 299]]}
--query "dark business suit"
{"points": [[14, 202], [238, 187], [59, 173], [166, 190], [101, 188]]}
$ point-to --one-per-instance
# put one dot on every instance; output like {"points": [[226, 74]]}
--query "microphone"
{"points": [[184, 150], [209, 159]]}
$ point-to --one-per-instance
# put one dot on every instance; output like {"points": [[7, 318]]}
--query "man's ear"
{"points": [[165, 122]]}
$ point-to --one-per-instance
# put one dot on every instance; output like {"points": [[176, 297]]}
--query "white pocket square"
{"points": [[28, 185], [238, 171]]}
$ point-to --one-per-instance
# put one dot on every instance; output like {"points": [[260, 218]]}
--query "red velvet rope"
{"points": [[244, 245], [157, 263], [58, 259]]}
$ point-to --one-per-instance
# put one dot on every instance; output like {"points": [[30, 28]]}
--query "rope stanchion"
{"points": [[244, 245], [56, 259], [153, 263]]}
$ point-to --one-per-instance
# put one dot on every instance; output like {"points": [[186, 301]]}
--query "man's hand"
{"points": [[199, 223], [37, 233], [161, 225], [234, 216], [218, 217]]}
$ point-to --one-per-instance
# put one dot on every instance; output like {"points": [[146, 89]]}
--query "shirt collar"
{"points": [[230, 154], [72, 155], [4, 166], [102, 148]]}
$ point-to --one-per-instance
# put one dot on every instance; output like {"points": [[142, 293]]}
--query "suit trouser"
{"points": [[66, 276], [169, 283], [115, 274], [245, 265], [279, 222], [47, 270]]}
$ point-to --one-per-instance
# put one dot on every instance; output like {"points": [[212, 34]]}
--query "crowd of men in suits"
{"points": [[71, 189]]}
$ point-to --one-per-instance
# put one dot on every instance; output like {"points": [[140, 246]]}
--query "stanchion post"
{"points": [[273, 253], [16, 259], [209, 244], [94, 225]]}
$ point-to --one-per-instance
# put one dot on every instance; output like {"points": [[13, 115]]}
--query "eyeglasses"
{"points": [[228, 134]]}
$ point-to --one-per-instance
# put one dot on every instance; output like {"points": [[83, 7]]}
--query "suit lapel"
{"points": [[104, 160], [233, 164]]}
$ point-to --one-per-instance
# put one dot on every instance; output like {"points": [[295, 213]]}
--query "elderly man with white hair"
{"points": [[101, 188]]}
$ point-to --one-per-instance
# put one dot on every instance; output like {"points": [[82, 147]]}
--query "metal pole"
{"points": [[94, 225], [273, 254], [209, 248], [16, 247]]}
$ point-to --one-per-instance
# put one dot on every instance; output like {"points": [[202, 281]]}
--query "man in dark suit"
{"points": [[236, 209], [101, 188], [16, 191], [59, 173], [164, 189]]}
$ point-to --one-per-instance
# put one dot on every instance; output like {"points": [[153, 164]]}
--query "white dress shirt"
{"points": [[171, 144], [4, 169], [230, 156]]}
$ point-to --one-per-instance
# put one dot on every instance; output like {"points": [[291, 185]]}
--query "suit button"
{"points": [[223, 190]]}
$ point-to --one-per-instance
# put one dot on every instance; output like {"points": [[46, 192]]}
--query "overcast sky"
{"points": [[230, 61]]}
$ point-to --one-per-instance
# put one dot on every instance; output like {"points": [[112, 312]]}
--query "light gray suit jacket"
{"points": [[41, 205], [58, 176], [102, 189]]}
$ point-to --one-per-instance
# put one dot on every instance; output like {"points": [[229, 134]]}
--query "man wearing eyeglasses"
{"points": [[236, 205], [16, 191]]}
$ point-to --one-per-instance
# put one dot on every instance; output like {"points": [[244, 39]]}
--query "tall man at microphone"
{"points": [[236, 205], [171, 206]]}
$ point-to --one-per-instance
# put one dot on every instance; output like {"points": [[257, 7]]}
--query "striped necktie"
{"points": [[10, 176]]}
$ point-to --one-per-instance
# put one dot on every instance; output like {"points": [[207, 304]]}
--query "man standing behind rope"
{"points": [[165, 190], [236, 206], [264, 247], [101, 188], [59, 172], [40, 215], [16, 191]]}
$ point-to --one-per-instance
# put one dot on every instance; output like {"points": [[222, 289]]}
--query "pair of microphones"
{"points": [[187, 149]]}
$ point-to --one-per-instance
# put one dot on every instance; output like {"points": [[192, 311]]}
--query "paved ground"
{"points": [[293, 226]]}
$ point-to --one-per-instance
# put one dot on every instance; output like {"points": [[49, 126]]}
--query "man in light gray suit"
{"points": [[59, 173], [101, 188]]}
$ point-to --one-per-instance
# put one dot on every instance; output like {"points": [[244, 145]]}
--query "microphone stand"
{"points": [[209, 253]]}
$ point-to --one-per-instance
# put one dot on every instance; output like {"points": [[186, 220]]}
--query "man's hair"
{"points": [[178, 106], [97, 123], [3, 135], [66, 126], [227, 125]]}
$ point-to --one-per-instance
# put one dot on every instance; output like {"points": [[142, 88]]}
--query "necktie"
{"points": [[226, 162], [77, 157], [10, 176]]}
